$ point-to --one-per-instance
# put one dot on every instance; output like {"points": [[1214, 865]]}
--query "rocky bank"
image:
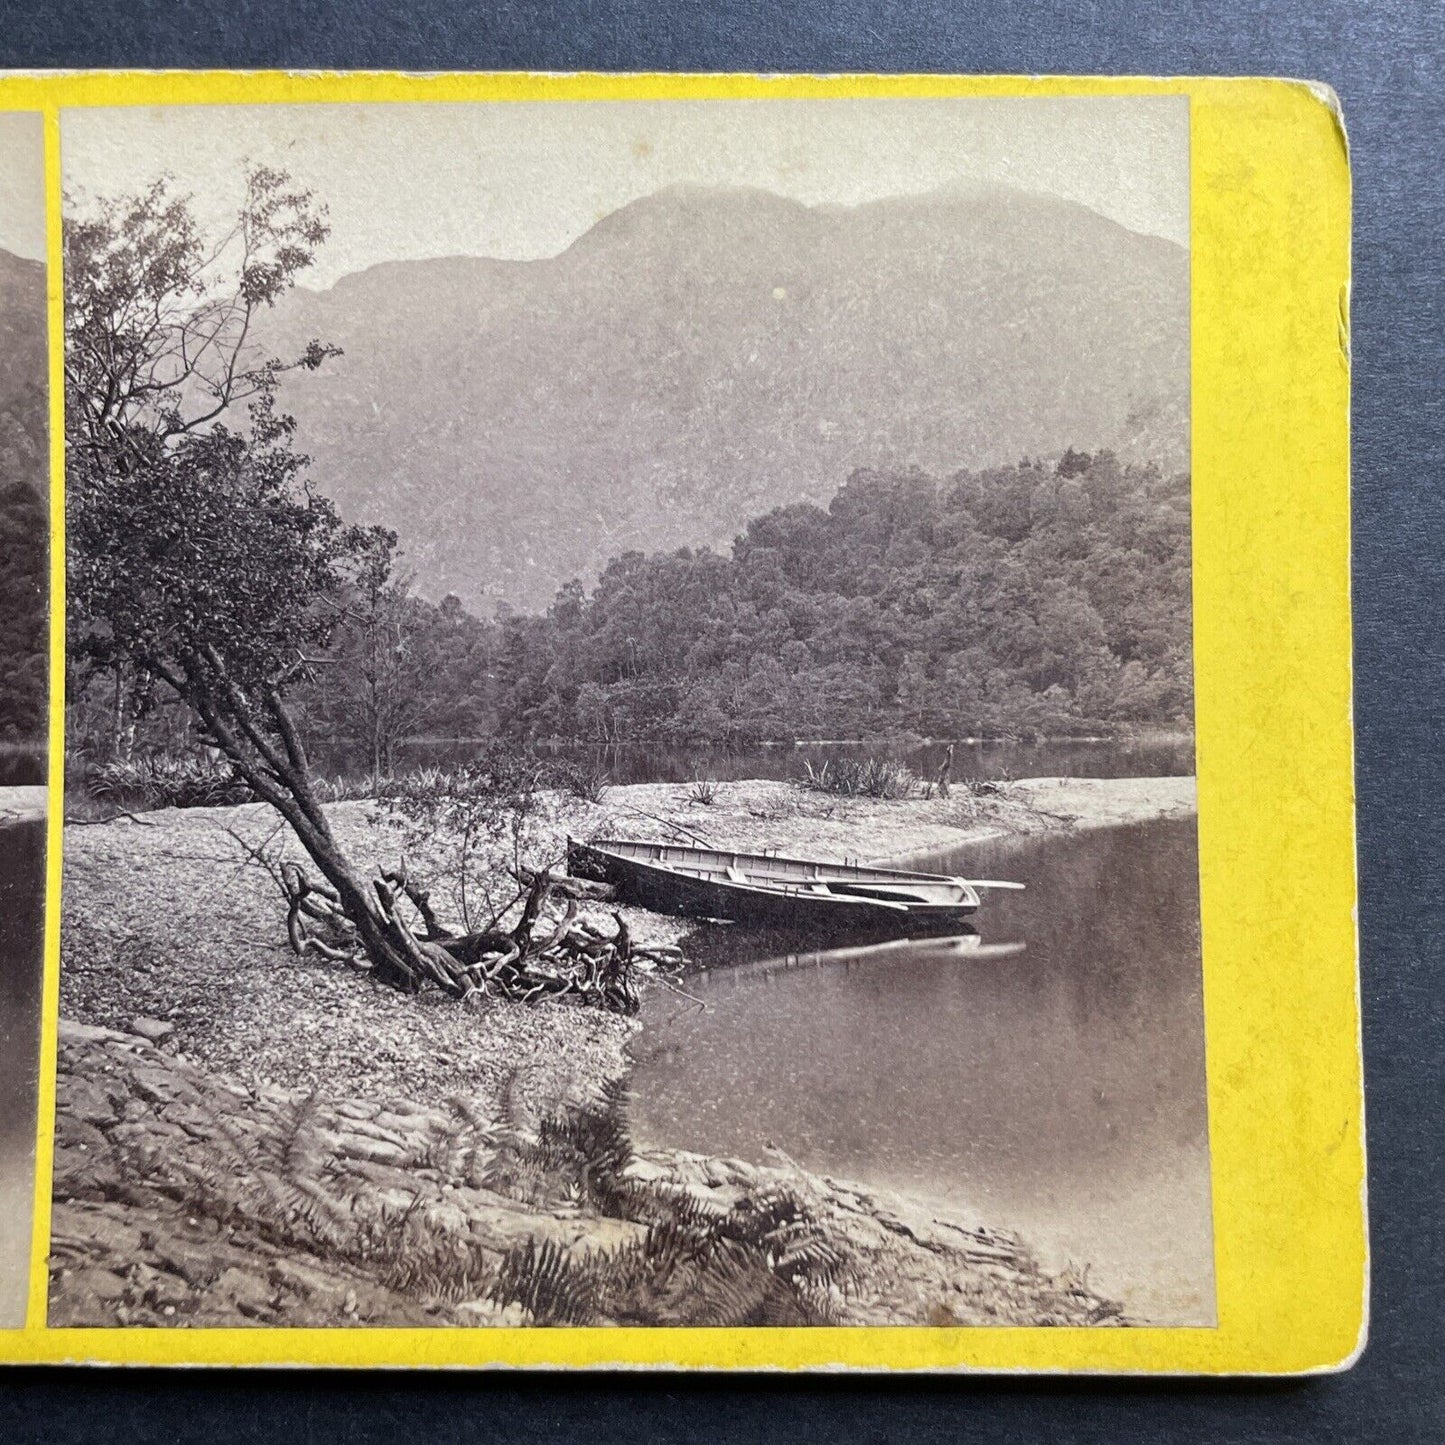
{"points": [[185, 1198]]}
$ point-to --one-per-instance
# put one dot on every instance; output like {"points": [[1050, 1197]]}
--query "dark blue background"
{"points": [[1385, 60]]}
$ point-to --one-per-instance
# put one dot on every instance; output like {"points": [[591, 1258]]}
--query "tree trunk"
{"points": [[271, 759], [398, 958], [259, 737], [122, 734]]}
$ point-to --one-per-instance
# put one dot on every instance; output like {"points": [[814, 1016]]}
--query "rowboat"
{"points": [[773, 890]]}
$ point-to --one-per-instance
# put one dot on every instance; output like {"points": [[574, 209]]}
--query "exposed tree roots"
{"points": [[546, 955]]}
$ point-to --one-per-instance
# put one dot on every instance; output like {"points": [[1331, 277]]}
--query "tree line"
{"points": [[1031, 599], [1035, 599], [23, 611]]}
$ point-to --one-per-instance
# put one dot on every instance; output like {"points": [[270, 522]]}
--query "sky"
{"points": [[524, 180], [22, 184]]}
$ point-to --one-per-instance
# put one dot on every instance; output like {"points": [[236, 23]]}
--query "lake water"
{"points": [[1163, 756], [22, 765], [22, 921], [1058, 1091]]}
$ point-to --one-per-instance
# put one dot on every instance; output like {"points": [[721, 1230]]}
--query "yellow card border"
{"points": [[1270, 393]]}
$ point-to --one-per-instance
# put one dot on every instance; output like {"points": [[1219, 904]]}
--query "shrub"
{"points": [[486, 814], [343, 789], [859, 777], [166, 781], [587, 782], [769, 1259], [702, 791]]}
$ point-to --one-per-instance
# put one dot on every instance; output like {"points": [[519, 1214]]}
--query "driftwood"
{"points": [[945, 770], [543, 956], [580, 888]]}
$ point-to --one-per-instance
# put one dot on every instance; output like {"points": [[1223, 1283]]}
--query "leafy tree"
{"points": [[398, 667], [380, 683], [199, 561]]}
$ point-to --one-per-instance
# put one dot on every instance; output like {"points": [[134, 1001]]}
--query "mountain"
{"points": [[703, 355], [23, 375]]}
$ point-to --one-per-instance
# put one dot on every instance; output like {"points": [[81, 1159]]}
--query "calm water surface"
{"points": [[1058, 1091], [659, 763], [22, 899]]}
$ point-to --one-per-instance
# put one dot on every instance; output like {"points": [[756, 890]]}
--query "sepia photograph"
{"points": [[629, 715], [24, 624]]}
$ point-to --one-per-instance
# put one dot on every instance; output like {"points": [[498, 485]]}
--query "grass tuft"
{"points": [[587, 782], [859, 777], [703, 791]]}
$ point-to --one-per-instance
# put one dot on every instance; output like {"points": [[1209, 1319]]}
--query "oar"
{"points": [[991, 883]]}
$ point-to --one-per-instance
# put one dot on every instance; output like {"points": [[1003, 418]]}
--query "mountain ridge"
{"points": [[702, 355], [961, 188]]}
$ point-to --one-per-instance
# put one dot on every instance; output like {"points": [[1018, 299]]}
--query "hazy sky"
{"points": [[525, 180], [22, 184]]}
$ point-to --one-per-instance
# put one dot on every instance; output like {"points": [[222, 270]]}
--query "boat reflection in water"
{"points": [[968, 946], [758, 953]]}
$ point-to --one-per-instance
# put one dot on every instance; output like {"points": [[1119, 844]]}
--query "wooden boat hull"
{"points": [[778, 892]]}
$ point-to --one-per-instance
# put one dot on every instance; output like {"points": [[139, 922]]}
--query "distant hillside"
{"points": [[1026, 600], [701, 356], [23, 421]]}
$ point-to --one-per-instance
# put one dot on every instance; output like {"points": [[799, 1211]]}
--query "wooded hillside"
{"points": [[24, 540], [1027, 599], [1037, 599]]}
